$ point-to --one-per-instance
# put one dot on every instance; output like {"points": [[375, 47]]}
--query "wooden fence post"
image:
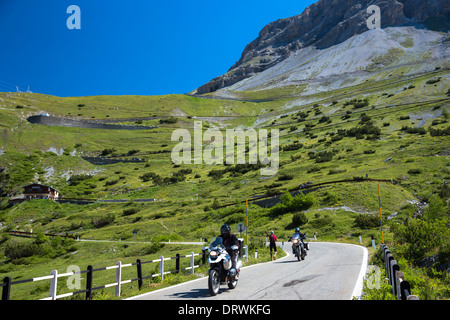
{"points": [[89, 276], [139, 273], [6, 289], [177, 263]]}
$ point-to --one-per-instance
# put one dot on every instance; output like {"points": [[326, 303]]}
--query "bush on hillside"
{"points": [[289, 203], [419, 238], [299, 219], [367, 221], [103, 220]]}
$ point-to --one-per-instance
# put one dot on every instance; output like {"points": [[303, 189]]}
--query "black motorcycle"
{"points": [[220, 267]]}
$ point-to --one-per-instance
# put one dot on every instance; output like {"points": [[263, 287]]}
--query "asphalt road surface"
{"points": [[330, 271]]}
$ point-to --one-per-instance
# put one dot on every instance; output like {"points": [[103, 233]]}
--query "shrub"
{"points": [[367, 221], [107, 151], [77, 178], [299, 219], [111, 182], [293, 204], [215, 204], [130, 211], [413, 130], [154, 247], [323, 156], [419, 238], [314, 168], [321, 222], [291, 147], [170, 120], [331, 198], [324, 119], [133, 151], [336, 171], [216, 174], [103, 220], [439, 132], [358, 103], [367, 128], [433, 81], [16, 249], [285, 176]]}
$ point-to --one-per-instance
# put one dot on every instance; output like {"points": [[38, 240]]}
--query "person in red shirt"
{"points": [[273, 245]]}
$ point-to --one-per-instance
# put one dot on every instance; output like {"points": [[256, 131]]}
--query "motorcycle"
{"points": [[298, 247], [220, 267]]}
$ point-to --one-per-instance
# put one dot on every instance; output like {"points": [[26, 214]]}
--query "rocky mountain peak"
{"points": [[324, 24]]}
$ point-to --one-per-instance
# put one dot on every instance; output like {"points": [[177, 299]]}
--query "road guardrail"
{"points": [[400, 287]]}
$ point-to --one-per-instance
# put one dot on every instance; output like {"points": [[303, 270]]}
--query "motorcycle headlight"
{"points": [[213, 254], [295, 241]]}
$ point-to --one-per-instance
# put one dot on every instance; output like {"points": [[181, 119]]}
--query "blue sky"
{"points": [[132, 47]]}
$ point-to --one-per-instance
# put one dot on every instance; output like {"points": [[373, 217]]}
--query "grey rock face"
{"points": [[324, 24]]}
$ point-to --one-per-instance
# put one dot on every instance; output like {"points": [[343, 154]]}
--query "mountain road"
{"points": [[330, 271]]}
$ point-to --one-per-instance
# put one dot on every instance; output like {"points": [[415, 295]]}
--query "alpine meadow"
{"points": [[342, 111]]}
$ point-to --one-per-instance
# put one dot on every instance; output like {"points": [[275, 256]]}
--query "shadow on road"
{"points": [[194, 293], [289, 261]]}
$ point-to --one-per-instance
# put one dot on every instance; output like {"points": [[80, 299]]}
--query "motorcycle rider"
{"points": [[301, 237], [230, 240]]}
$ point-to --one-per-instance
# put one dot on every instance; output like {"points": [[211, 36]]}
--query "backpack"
{"points": [[272, 238]]}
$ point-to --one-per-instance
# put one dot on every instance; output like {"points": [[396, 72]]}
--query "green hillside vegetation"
{"points": [[394, 129]]}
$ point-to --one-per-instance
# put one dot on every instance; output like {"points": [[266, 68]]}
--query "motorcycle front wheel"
{"points": [[213, 282], [297, 254]]}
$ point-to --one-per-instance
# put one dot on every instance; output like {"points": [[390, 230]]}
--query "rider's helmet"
{"points": [[297, 230], [225, 230]]}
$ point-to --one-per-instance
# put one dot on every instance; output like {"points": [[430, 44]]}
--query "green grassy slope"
{"points": [[383, 129]]}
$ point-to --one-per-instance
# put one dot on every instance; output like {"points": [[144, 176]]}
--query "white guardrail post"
{"points": [[192, 262], [53, 284], [118, 278], [161, 267]]}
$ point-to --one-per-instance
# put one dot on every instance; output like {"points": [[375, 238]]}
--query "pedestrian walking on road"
{"points": [[273, 245]]}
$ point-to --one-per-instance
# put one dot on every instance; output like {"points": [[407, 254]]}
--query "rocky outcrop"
{"points": [[324, 24]]}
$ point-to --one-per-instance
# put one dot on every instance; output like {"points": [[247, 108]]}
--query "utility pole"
{"points": [[246, 219]]}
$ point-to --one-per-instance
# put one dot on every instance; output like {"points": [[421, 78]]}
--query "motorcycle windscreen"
{"points": [[295, 236], [216, 243]]}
